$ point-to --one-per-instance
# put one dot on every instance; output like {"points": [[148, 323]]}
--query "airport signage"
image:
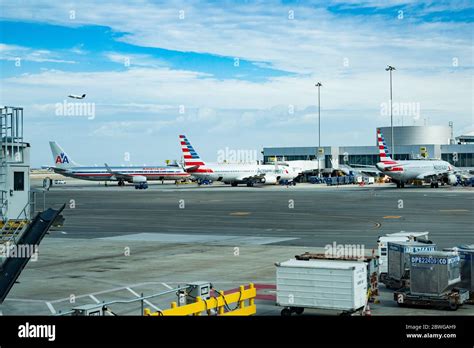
{"points": [[434, 260], [411, 249]]}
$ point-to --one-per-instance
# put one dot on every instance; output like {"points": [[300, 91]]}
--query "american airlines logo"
{"points": [[62, 158]]}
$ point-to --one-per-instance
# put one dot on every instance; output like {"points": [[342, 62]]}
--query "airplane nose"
{"points": [[379, 166]]}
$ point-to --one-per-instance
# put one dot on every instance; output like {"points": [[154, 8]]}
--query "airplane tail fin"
{"points": [[60, 158], [192, 161], [383, 150]]}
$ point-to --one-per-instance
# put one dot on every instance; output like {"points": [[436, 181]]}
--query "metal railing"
{"points": [[18, 225], [11, 132], [218, 305], [142, 299], [11, 148]]}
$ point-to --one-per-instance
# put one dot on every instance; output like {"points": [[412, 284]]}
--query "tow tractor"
{"points": [[141, 186], [204, 182], [285, 182]]}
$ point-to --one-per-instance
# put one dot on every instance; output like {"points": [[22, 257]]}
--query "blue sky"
{"points": [[229, 74]]}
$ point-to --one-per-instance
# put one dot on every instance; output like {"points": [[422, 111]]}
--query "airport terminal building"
{"points": [[410, 142]]}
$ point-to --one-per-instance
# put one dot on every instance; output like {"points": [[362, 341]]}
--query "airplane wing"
{"points": [[466, 172], [360, 169], [118, 175], [433, 174], [56, 169]]}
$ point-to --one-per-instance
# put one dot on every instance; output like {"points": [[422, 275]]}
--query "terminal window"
{"points": [[19, 181]]}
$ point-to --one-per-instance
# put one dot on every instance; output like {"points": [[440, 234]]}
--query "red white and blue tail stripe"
{"points": [[383, 150], [192, 161]]}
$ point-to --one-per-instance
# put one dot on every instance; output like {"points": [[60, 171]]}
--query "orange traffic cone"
{"points": [[368, 312]]}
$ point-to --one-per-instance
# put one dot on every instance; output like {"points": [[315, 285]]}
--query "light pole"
{"points": [[319, 125], [389, 68]]}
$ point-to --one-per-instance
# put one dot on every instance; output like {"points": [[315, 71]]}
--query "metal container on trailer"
{"points": [[399, 256], [403, 236], [324, 284], [466, 254], [434, 272]]}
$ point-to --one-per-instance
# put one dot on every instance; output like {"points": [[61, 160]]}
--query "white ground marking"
{"points": [[51, 308], [146, 301], [94, 298], [167, 286], [212, 239]]}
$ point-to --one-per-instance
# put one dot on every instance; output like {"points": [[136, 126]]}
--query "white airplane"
{"points": [[75, 96], [401, 172], [233, 174], [64, 165]]}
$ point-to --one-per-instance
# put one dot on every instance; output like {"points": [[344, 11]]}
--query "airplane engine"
{"points": [[269, 180], [452, 179], [138, 179]]}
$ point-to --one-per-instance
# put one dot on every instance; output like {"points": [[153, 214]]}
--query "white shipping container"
{"points": [[325, 284]]}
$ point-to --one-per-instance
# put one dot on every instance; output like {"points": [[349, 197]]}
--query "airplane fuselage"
{"points": [[102, 174], [230, 173], [412, 169]]}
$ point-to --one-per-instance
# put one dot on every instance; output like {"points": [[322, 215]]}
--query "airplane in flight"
{"points": [[75, 96], [427, 170], [65, 166], [233, 174]]}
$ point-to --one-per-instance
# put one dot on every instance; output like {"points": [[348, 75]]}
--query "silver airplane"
{"points": [[65, 166]]}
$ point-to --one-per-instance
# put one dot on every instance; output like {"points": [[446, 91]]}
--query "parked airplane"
{"points": [[432, 171], [75, 96], [233, 174], [64, 165]]}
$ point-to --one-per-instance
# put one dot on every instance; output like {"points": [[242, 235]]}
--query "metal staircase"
{"points": [[33, 233], [13, 228]]}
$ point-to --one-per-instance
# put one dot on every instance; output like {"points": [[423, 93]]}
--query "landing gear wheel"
{"points": [[453, 306], [234, 184], [285, 312], [298, 310], [402, 185], [399, 185]]}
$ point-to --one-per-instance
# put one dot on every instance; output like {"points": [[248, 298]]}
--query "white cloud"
{"points": [[316, 45], [135, 60], [316, 41], [15, 52]]}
